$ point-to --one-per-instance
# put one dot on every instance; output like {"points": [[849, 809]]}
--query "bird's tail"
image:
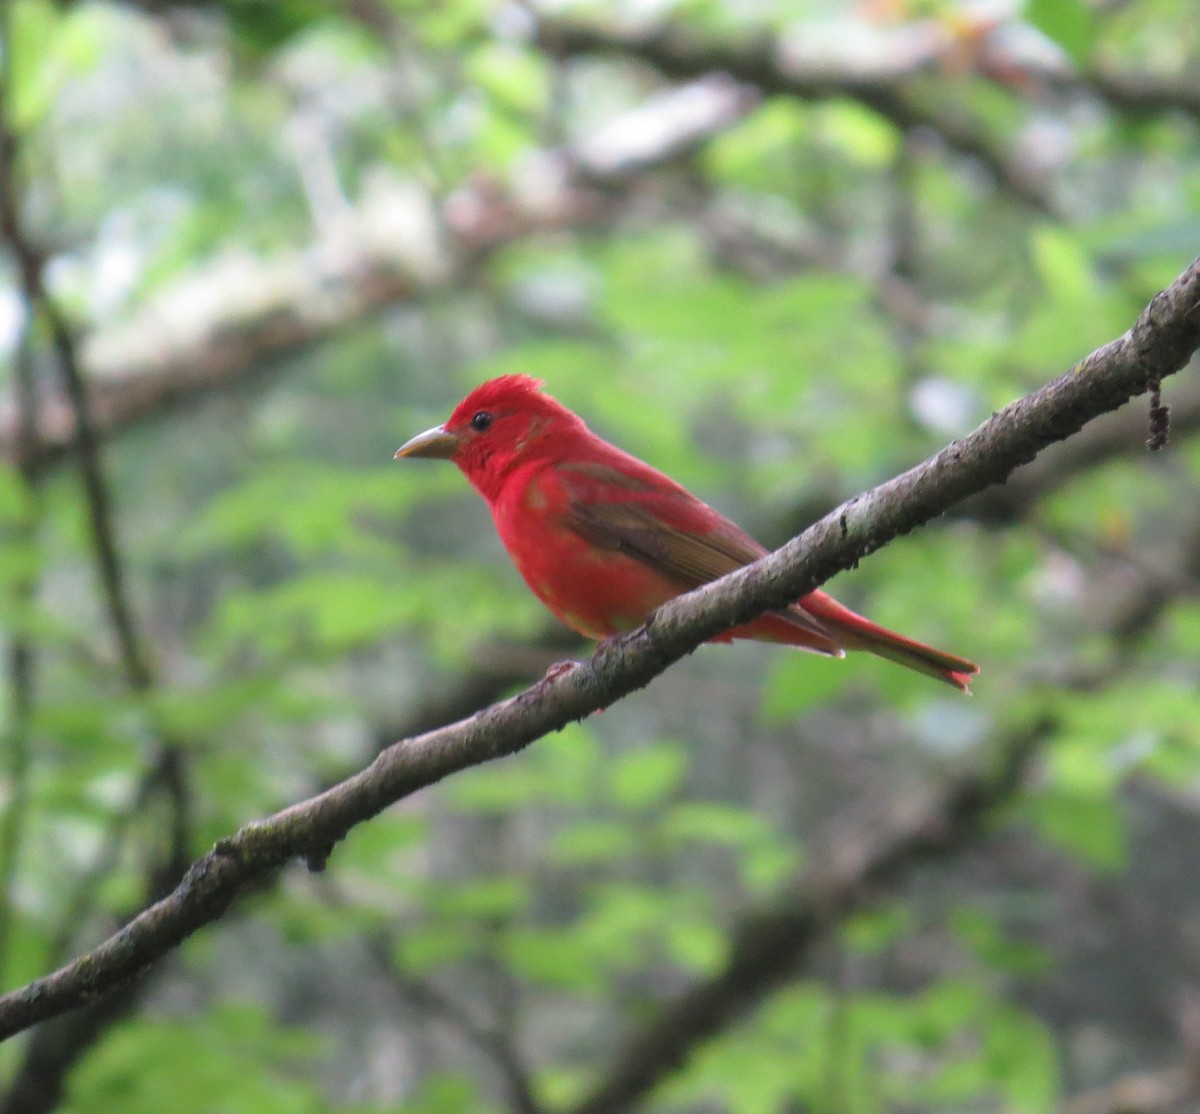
{"points": [[855, 632]]}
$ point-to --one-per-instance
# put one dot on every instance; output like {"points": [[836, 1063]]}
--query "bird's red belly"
{"points": [[597, 592]]}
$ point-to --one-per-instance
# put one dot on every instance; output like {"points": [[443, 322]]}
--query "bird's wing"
{"points": [[638, 530], [663, 525]]}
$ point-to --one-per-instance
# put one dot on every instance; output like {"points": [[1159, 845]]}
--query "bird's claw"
{"points": [[607, 643]]}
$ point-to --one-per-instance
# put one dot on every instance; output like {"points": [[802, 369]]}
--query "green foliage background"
{"points": [[804, 306]]}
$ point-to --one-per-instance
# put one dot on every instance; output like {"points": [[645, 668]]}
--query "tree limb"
{"points": [[1118, 434], [1159, 344], [1142, 93]]}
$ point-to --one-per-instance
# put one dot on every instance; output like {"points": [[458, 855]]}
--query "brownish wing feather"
{"points": [[704, 547]]}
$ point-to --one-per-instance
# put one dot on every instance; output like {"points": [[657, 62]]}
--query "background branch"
{"points": [[234, 320], [489, 1038]]}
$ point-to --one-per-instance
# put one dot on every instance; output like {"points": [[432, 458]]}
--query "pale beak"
{"points": [[434, 442]]}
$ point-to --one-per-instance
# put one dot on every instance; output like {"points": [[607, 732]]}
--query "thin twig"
{"points": [[490, 1039], [31, 266]]}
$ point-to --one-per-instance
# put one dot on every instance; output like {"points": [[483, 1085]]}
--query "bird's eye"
{"points": [[482, 421]]}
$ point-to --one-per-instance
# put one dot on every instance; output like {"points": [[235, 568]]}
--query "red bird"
{"points": [[604, 539]]}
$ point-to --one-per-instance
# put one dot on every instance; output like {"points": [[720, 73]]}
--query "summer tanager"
{"points": [[604, 539]]}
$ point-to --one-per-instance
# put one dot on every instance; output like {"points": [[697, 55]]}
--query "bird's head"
{"points": [[501, 424]]}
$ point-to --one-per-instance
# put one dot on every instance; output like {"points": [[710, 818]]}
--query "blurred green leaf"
{"points": [[873, 930], [1090, 827], [799, 682], [479, 899], [262, 26], [48, 47], [648, 776], [427, 949], [712, 822], [1070, 23], [444, 1093], [237, 1059], [557, 958], [999, 949], [696, 945], [515, 77], [595, 841]]}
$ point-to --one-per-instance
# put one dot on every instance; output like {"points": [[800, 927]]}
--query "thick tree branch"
{"points": [[1159, 344], [1120, 434]]}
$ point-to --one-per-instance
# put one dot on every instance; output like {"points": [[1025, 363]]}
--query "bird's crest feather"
{"points": [[521, 392]]}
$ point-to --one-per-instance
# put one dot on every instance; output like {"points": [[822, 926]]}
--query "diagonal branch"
{"points": [[1117, 435], [1159, 344]]}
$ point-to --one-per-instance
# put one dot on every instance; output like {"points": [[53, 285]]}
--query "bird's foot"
{"points": [[607, 643]]}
